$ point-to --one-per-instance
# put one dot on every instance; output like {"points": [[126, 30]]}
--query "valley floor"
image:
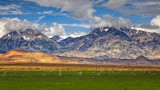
{"points": [[79, 80]]}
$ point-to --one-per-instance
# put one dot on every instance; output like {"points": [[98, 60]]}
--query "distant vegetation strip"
{"points": [[73, 67]]}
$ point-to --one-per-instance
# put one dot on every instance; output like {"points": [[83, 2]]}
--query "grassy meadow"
{"points": [[79, 80]]}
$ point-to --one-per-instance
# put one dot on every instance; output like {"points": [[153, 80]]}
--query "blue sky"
{"points": [[62, 12]]}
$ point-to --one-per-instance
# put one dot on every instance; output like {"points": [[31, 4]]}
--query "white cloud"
{"points": [[114, 22], [115, 4], [2, 29], [14, 24], [18, 12], [153, 26], [147, 29], [120, 22], [76, 34], [156, 21], [79, 9], [99, 1], [58, 30], [77, 25], [4, 12], [73, 35], [135, 6], [39, 13], [48, 12], [39, 18], [9, 7], [54, 30], [52, 13], [10, 10], [83, 10]]}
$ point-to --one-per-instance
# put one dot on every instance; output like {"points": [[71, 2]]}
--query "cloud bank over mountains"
{"points": [[54, 30], [153, 26], [14, 24], [111, 21], [83, 10], [11, 24]]}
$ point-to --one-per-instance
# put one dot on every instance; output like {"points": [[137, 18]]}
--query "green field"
{"points": [[79, 80]]}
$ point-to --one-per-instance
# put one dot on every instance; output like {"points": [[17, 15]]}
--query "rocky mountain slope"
{"points": [[110, 42], [30, 40], [22, 56], [101, 43]]}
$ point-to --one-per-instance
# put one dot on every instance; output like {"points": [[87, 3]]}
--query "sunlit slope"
{"points": [[22, 56]]}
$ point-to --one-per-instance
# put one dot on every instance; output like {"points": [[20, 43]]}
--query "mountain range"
{"points": [[110, 42], [101, 43]]}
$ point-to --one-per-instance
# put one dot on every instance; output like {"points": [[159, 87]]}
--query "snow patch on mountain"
{"points": [[26, 38]]}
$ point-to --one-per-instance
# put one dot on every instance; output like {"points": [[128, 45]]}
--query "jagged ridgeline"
{"points": [[113, 43], [107, 42], [30, 40]]}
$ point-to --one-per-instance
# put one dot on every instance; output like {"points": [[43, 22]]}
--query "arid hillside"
{"points": [[22, 56]]}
